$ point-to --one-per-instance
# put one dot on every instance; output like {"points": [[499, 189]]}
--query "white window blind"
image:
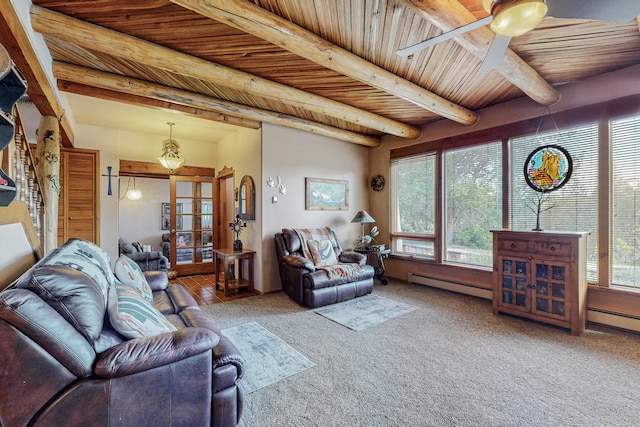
{"points": [[473, 202], [575, 205], [625, 150]]}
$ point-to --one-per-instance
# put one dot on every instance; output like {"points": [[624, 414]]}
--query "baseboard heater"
{"points": [[449, 286], [594, 316], [614, 319]]}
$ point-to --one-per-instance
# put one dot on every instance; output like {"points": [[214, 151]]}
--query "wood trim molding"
{"points": [[225, 172], [156, 170], [563, 119]]}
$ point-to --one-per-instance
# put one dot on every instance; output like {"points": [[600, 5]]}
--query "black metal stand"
{"points": [[380, 255]]}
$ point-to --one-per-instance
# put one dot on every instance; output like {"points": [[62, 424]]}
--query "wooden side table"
{"points": [[227, 256]]}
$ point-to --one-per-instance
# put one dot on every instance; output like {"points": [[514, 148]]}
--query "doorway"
{"points": [[191, 224], [225, 199], [182, 210]]}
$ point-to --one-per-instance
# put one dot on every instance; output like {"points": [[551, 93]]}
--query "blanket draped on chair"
{"points": [[319, 234]]}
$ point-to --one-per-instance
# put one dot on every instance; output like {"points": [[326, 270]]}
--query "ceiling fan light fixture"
{"points": [[513, 18]]}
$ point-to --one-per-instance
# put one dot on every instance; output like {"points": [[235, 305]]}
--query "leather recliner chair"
{"points": [[314, 286]]}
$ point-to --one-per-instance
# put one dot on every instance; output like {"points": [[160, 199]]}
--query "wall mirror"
{"points": [[247, 198]]}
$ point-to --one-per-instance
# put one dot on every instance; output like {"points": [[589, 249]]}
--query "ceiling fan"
{"points": [[511, 18]]}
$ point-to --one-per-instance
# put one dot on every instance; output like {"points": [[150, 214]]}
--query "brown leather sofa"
{"points": [[64, 363], [314, 286]]}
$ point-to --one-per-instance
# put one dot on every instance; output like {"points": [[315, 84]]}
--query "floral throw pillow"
{"points": [[322, 253]]}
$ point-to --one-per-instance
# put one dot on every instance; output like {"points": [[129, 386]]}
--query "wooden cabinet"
{"points": [[542, 276], [78, 214]]}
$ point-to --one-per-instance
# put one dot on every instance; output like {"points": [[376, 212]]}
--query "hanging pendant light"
{"points": [[170, 158], [134, 193]]}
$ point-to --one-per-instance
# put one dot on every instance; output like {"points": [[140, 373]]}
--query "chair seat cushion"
{"points": [[337, 274]]}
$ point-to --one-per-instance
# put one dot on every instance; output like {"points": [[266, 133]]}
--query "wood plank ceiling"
{"points": [[325, 66]]}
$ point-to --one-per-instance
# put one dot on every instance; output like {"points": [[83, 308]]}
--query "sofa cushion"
{"points": [[73, 294], [84, 256], [322, 252], [132, 315], [36, 319], [129, 272]]}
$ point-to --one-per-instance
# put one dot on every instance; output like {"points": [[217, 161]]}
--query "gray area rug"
{"points": [[268, 359], [360, 313]]}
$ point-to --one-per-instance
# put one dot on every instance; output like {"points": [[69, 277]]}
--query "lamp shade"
{"points": [[171, 160], [134, 194], [362, 217]]}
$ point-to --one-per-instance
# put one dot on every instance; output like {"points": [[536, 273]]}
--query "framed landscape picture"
{"points": [[326, 194]]}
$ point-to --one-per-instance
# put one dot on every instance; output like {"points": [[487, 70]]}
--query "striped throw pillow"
{"points": [[132, 315]]}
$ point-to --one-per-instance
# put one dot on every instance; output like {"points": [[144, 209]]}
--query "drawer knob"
{"points": [[553, 248], [513, 245]]}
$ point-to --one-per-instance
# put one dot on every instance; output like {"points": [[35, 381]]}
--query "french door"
{"points": [[191, 225]]}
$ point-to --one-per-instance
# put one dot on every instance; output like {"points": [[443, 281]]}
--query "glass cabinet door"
{"points": [[514, 281], [550, 280]]}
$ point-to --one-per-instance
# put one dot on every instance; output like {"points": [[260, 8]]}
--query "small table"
{"points": [[380, 254], [227, 255]]}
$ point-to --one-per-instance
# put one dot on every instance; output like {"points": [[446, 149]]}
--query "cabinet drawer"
{"points": [[553, 248], [512, 245]]}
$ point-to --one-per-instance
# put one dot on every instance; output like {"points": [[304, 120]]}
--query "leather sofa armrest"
{"points": [[142, 354], [296, 261], [353, 257], [158, 280]]}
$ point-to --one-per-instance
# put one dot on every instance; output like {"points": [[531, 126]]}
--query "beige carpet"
{"points": [[448, 363]]}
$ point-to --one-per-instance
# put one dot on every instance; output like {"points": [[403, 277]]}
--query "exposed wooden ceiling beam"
{"points": [[144, 89], [450, 14], [127, 98], [93, 37], [253, 19], [40, 91]]}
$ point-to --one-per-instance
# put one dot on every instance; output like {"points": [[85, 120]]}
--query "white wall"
{"points": [[294, 155], [114, 145], [140, 220], [104, 140], [241, 151]]}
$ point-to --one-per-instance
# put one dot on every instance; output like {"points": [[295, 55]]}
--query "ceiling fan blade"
{"points": [[611, 10], [444, 36], [496, 52]]}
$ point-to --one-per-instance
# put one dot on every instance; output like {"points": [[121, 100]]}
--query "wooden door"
{"points": [[78, 206], [192, 224], [224, 208]]}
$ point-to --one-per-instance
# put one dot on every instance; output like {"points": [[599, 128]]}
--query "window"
{"points": [[625, 152], [574, 207], [473, 202], [413, 216], [450, 199]]}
